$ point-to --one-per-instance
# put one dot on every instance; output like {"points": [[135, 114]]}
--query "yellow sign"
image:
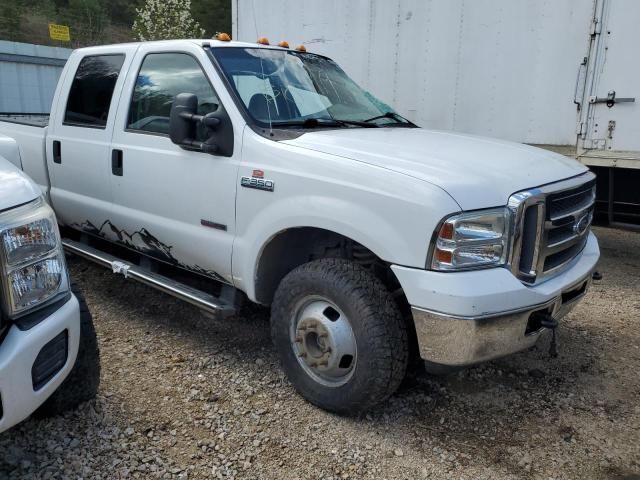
{"points": [[59, 32]]}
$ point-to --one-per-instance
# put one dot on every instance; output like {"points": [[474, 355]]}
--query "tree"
{"points": [[10, 20], [166, 19], [88, 20], [213, 15]]}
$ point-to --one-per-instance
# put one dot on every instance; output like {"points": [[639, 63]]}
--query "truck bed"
{"points": [[31, 119], [29, 131]]}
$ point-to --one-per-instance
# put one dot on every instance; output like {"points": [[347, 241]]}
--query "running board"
{"points": [[200, 299]]}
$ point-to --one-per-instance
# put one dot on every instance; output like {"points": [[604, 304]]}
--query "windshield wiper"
{"points": [[391, 115], [323, 122]]}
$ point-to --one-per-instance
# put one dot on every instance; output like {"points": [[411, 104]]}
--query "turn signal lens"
{"points": [[26, 242], [446, 232], [443, 256]]}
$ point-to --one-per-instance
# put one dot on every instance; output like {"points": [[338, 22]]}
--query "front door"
{"points": [[175, 205]]}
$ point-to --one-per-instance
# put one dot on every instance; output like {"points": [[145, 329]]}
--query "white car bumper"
{"points": [[18, 353], [464, 318]]}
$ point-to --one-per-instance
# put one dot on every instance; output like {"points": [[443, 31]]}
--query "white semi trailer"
{"points": [[555, 73]]}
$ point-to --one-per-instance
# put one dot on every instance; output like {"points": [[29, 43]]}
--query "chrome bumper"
{"points": [[459, 341]]}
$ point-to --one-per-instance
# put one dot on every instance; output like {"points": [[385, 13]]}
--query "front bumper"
{"points": [[18, 353], [465, 318]]}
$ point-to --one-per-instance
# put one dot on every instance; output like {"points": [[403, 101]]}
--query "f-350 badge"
{"points": [[257, 181]]}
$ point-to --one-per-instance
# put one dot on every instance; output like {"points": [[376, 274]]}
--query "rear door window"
{"points": [[91, 91]]}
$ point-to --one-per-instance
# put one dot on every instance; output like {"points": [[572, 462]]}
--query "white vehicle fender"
{"points": [[10, 151], [390, 213]]}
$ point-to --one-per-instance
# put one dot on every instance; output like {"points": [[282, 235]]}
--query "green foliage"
{"points": [[94, 22], [88, 20], [213, 15], [123, 11], [10, 18]]}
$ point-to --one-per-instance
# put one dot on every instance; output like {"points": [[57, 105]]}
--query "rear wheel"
{"points": [[341, 338], [83, 380]]}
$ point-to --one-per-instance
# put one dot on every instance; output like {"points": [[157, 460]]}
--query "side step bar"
{"points": [[200, 299]]}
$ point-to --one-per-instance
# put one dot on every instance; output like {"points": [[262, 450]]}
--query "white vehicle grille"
{"points": [[551, 226]]}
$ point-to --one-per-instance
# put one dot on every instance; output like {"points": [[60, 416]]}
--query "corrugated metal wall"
{"points": [[502, 68], [28, 76]]}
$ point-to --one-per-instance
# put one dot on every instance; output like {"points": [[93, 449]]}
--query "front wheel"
{"points": [[340, 336]]}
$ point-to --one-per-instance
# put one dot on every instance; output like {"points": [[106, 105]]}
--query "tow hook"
{"points": [[596, 275], [551, 323]]}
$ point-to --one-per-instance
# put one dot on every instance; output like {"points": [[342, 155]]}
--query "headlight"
{"points": [[33, 265], [472, 240]]}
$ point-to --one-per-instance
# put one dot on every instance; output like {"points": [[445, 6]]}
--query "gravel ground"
{"points": [[184, 396]]}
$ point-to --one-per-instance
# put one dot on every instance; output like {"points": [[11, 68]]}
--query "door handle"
{"points": [[57, 157], [577, 99], [116, 162], [611, 99]]}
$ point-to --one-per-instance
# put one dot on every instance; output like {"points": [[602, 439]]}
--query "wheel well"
{"points": [[294, 247]]}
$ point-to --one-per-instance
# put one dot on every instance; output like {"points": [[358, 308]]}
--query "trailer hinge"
{"points": [[595, 27], [580, 128]]}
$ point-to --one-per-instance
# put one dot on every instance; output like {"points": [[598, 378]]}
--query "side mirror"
{"points": [[184, 122], [182, 129]]}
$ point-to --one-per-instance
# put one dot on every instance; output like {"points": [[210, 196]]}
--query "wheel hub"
{"points": [[323, 340]]}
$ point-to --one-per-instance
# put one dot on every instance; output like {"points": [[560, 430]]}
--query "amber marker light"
{"points": [[301, 48], [263, 41], [223, 37], [444, 256], [446, 232], [283, 44]]}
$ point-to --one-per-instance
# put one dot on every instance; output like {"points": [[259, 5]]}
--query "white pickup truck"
{"points": [[218, 171], [48, 348]]}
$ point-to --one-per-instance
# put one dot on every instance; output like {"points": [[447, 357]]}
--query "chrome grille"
{"points": [[551, 226]]}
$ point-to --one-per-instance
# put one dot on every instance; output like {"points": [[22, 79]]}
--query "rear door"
{"points": [[80, 129], [612, 97], [610, 143]]}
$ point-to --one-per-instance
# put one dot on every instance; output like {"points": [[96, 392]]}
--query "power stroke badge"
{"points": [[257, 181]]}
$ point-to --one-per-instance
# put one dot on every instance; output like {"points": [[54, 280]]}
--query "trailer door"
{"points": [[608, 140], [612, 96]]}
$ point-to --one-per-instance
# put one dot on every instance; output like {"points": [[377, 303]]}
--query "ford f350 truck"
{"points": [[48, 348], [221, 171]]}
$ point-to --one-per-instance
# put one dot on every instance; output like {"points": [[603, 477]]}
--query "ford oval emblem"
{"points": [[581, 225]]}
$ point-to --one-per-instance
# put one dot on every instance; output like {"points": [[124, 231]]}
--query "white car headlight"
{"points": [[34, 272], [471, 240]]}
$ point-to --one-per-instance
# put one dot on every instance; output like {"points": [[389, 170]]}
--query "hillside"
{"points": [[93, 22]]}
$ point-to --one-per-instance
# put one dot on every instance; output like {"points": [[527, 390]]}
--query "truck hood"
{"points": [[477, 172], [15, 187]]}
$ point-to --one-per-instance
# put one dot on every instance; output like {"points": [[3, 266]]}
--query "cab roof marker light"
{"points": [[283, 44], [223, 37], [263, 41], [301, 48]]}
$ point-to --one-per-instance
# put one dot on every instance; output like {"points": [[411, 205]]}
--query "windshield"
{"points": [[288, 88]]}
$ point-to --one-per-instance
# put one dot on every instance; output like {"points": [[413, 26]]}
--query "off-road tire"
{"points": [[83, 380], [378, 328]]}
